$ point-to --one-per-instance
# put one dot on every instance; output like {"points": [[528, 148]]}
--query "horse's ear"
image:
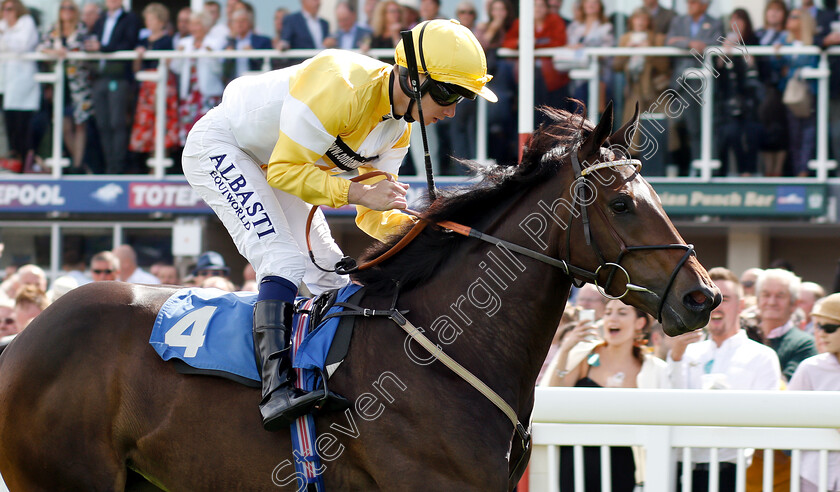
{"points": [[595, 139], [623, 137]]}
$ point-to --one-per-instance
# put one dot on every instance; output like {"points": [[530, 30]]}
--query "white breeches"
{"points": [[267, 225]]}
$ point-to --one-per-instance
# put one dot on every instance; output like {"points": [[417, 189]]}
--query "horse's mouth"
{"points": [[676, 323]]}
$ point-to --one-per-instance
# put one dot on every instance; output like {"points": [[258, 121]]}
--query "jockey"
{"points": [[272, 148]]}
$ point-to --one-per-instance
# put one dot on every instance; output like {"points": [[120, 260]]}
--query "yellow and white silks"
{"points": [[274, 146]]}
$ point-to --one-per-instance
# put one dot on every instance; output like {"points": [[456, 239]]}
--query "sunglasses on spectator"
{"points": [[211, 273], [8, 9], [471, 12], [102, 272], [828, 328], [748, 283], [67, 7], [8, 321]]}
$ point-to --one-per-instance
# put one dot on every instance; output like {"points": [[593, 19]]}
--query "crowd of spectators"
{"points": [[24, 291], [763, 128], [771, 332]]}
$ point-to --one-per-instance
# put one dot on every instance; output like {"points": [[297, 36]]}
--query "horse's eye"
{"points": [[620, 206]]}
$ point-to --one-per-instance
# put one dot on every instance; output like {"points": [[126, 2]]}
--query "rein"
{"points": [[348, 265]]}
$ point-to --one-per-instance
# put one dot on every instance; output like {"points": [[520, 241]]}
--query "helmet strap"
{"points": [[417, 91], [407, 116], [405, 86]]}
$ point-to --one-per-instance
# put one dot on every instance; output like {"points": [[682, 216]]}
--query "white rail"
{"points": [[705, 165], [663, 421]]}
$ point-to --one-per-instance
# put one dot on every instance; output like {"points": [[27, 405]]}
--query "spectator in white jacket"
{"points": [[200, 79], [22, 95], [726, 360]]}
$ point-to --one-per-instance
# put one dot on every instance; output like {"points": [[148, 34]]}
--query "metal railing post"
{"points": [[594, 89], [527, 64], [159, 162], [56, 79], [481, 131], [822, 164], [589, 74], [658, 474], [706, 164], [55, 251]]}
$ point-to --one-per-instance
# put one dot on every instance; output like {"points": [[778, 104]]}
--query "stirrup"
{"points": [[318, 401], [330, 402]]}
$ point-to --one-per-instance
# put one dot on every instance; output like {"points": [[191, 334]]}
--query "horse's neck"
{"points": [[495, 311]]}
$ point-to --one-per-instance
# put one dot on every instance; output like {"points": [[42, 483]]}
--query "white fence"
{"points": [[665, 421], [589, 72]]}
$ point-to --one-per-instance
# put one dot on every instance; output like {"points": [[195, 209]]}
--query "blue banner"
{"points": [[121, 196], [96, 195]]}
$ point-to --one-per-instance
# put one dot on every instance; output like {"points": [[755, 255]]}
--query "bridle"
{"points": [[578, 275]]}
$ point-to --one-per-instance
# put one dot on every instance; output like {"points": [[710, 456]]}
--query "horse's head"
{"points": [[619, 236]]}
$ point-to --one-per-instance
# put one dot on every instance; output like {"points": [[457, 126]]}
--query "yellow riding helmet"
{"points": [[449, 52]]}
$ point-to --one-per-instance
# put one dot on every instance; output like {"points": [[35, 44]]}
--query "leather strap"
{"points": [[397, 316], [464, 374]]}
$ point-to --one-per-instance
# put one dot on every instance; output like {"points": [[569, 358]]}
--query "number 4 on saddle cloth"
{"points": [[208, 331]]}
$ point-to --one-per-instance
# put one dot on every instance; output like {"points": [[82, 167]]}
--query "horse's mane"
{"points": [[430, 250]]}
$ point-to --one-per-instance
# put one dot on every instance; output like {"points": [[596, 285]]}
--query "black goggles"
{"points": [[445, 94], [828, 328]]}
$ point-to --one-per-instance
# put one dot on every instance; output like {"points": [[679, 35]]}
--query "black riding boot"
{"points": [[281, 402]]}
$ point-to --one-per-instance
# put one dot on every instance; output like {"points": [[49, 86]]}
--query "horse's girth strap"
{"points": [[458, 369]]}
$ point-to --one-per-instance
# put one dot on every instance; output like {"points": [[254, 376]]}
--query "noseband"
{"points": [[579, 275]]}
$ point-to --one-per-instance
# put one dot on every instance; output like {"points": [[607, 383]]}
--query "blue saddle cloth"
{"points": [[209, 329]]}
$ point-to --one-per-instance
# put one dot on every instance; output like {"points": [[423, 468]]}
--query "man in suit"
{"points": [[304, 29], [694, 31], [661, 16], [243, 38], [116, 30], [349, 34]]}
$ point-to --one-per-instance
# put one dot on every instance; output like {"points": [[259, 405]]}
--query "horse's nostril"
{"points": [[697, 300], [698, 297]]}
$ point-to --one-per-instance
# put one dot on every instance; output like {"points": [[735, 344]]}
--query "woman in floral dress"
{"points": [[200, 80], [155, 16]]}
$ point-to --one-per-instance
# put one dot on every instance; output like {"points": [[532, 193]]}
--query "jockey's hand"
{"points": [[383, 195]]}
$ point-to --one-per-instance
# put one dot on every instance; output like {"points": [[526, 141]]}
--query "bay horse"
{"points": [[87, 404]]}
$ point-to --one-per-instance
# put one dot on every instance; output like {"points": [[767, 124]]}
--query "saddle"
{"points": [[319, 313], [208, 332]]}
